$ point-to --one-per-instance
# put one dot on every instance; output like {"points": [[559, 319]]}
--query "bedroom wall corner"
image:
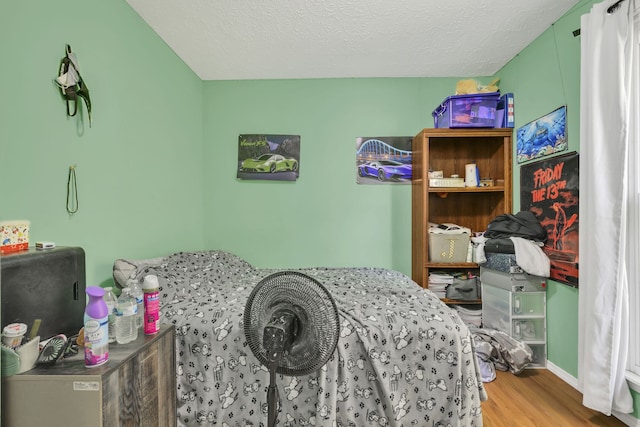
{"points": [[544, 76], [138, 167]]}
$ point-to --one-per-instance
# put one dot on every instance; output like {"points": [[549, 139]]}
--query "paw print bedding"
{"points": [[403, 357]]}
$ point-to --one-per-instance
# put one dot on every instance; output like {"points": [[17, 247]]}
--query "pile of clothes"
{"points": [[520, 234], [497, 350]]}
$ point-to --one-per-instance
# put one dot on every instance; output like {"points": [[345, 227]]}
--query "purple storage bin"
{"points": [[477, 110]]}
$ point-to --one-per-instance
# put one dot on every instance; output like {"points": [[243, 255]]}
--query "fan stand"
{"points": [[272, 396], [291, 323], [278, 334]]}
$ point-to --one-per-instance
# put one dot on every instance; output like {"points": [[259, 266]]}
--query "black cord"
{"points": [[614, 6], [72, 191]]}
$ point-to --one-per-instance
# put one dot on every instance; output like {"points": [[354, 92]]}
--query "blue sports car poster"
{"points": [[383, 160], [542, 137], [268, 157]]}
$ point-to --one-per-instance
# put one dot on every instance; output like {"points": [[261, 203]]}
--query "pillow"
{"points": [[123, 269]]}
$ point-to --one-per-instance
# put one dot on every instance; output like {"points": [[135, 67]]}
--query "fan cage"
{"points": [[316, 314]]}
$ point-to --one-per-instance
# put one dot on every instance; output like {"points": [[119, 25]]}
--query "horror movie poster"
{"points": [[549, 189]]}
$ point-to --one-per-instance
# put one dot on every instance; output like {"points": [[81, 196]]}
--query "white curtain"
{"points": [[606, 66]]}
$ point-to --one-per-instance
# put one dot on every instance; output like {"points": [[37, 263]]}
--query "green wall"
{"points": [[543, 77], [324, 218], [139, 167]]}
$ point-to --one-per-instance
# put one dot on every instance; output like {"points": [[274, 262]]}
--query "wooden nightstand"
{"points": [[136, 387]]}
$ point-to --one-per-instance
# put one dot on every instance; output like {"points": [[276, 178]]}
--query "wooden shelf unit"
{"points": [[449, 150]]}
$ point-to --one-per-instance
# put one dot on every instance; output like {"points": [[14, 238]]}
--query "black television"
{"points": [[44, 284]]}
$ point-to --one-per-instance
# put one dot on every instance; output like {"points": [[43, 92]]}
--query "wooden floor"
{"points": [[537, 397]]}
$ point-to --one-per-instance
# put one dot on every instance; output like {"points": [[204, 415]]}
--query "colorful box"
{"points": [[14, 236], [505, 114], [463, 111]]}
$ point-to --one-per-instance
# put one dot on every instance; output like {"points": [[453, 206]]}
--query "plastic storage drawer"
{"points": [[495, 309], [512, 281], [521, 315], [539, 355], [528, 304], [529, 330]]}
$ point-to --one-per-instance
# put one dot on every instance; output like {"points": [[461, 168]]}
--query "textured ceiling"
{"points": [[285, 39]]}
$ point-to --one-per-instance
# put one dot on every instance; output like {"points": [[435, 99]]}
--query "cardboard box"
{"points": [[14, 236]]}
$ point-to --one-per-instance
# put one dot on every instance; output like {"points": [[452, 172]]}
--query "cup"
{"points": [[12, 334], [28, 353]]}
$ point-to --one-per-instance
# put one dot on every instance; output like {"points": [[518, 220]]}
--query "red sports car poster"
{"points": [[549, 189]]}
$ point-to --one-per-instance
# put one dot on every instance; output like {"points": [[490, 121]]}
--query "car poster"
{"points": [[383, 160], [268, 157]]}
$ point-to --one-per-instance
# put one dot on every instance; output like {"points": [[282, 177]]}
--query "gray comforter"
{"points": [[403, 357]]}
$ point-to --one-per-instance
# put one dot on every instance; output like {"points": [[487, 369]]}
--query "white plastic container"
{"points": [[12, 334], [126, 311], [471, 175]]}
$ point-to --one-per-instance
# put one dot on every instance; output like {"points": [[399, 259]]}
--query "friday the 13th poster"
{"points": [[549, 189]]}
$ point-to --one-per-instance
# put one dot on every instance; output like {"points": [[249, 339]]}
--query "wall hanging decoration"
{"points": [[550, 189], [383, 160], [268, 157], [71, 84], [72, 191], [542, 137]]}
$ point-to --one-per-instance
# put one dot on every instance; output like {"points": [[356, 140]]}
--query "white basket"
{"points": [[448, 246]]}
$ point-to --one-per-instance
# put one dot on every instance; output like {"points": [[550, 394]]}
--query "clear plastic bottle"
{"points": [[126, 311], [112, 302], [136, 291]]}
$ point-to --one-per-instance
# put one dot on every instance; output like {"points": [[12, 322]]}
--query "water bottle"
{"points": [[126, 311], [96, 328], [111, 301], [137, 293], [151, 290]]}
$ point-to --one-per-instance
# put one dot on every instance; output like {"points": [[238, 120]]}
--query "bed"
{"points": [[403, 357]]}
